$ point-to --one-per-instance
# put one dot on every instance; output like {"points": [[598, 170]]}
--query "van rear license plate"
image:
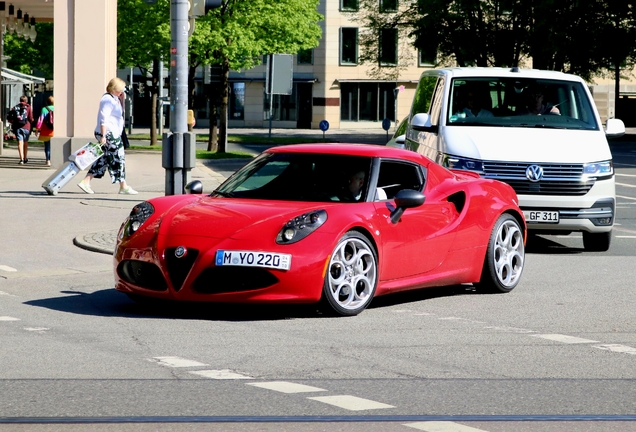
{"points": [[253, 259], [541, 216]]}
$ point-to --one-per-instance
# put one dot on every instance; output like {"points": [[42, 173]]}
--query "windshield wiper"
{"points": [[224, 194]]}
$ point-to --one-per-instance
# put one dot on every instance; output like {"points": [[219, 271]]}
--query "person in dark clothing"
{"points": [[21, 117]]}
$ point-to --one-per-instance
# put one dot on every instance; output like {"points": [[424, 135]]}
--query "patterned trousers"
{"points": [[114, 159]]}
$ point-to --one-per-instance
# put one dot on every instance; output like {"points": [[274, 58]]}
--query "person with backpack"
{"points": [[44, 128], [21, 117]]}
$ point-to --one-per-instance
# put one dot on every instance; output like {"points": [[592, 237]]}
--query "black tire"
{"points": [[505, 257], [352, 275], [597, 242]]}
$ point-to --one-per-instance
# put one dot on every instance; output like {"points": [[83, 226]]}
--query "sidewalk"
{"points": [[92, 221]]}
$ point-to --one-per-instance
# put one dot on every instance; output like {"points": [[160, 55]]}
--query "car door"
{"points": [[420, 241]]}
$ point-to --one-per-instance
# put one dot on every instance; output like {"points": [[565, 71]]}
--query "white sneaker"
{"points": [[128, 191], [86, 188]]}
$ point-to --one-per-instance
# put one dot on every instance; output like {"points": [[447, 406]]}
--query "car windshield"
{"points": [[520, 102], [300, 177]]}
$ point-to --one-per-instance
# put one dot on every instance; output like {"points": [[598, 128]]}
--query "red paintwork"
{"points": [[449, 249]]}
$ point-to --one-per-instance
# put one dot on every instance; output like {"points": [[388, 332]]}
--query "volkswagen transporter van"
{"points": [[538, 131]]}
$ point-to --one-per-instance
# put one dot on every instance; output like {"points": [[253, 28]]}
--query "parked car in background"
{"points": [[538, 131], [336, 224], [399, 137]]}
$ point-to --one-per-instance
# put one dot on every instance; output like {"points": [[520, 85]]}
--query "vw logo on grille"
{"points": [[180, 252], [534, 173]]}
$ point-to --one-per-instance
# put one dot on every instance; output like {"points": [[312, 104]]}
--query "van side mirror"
{"points": [[422, 122], [614, 128]]}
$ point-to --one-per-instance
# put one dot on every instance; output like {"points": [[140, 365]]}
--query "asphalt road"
{"points": [[556, 354]]}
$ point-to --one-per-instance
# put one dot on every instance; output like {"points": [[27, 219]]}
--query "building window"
{"points": [[348, 5], [388, 46], [237, 101], [305, 57], [426, 56], [388, 5], [349, 45], [367, 101], [283, 106]]}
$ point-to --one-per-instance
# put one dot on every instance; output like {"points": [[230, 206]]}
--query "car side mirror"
{"points": [[194, 188], [614, 128], [422, 123], [406, 198]]}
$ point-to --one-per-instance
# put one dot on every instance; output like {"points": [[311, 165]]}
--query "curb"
{"points": [[102, 242]]}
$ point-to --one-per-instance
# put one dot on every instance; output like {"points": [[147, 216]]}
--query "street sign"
{"points": [[324, 125], [280, 74], [386, 124]]}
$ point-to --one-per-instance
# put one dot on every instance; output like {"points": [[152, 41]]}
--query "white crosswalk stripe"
{"points": [[223, 374], [176, 362], [351, 403], [442, 426], [287, 387]]}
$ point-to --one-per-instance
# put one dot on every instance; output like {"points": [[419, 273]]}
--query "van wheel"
{"points": [[597, 242], [505, 257]]}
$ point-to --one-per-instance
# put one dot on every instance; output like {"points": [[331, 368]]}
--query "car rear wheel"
{"points": [[352, 275], [597, 242], [505, 256]]}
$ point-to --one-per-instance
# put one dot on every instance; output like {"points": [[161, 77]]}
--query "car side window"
{"points": [[395, 176], [436, 102]]}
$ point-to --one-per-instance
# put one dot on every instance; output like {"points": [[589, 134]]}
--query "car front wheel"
{"points": [[505, 256], [597, 242], [352, 275]]}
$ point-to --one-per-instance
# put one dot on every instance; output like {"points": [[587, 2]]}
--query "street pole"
{"points": [[173, 145]]}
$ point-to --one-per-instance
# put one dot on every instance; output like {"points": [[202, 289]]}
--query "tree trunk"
{"points": [[213, 143], [225, 75]]}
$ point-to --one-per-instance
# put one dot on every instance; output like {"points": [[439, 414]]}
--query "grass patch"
{"points": [[204, 154]]}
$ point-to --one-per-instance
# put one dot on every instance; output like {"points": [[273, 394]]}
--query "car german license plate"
{"points": [[253, 259], [541, 216]]}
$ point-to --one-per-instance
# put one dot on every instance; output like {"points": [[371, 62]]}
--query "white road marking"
{"points": [[424, 314], [564, 338], [37, 329], [176, 362], [351, 403], [402, 311], [287, 387], [626, 185], [617, 348], [223, 374], [625, 175], [630, 237], [510, 329], [7, 268], [8, 318], [625, 197], [441, 426], [460, 319]]}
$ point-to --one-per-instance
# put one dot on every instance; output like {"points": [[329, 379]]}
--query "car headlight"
{"points": [[461, 163], [600, 170], [301, 226], [138, 215]]}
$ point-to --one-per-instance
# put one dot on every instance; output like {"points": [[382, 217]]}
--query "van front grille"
{"points": [[558, 179]]}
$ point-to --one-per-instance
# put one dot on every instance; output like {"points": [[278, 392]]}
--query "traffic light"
{"points": [[201, 7]]}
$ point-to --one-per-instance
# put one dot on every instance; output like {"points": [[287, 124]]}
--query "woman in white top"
{"points": [[110, 124]]}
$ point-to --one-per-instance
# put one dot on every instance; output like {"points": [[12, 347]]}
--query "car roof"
{"points": [[466, 72], [368, 150]]}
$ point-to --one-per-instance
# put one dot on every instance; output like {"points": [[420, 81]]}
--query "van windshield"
{"points": [[520, 102]]}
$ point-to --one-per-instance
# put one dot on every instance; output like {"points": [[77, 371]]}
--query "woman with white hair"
{"points": [[110, 124]]}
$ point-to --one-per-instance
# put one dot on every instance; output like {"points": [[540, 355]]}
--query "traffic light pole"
{"points": [[179, 151]]}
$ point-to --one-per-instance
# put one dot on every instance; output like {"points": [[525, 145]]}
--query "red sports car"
{"points": [[331, 223]]}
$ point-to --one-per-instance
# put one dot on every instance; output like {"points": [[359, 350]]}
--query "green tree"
{"points": [[143, 40], [235, 35], [31, 57]]}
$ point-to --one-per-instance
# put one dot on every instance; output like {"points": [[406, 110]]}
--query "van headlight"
{"points": [[599, 170], [461, 163]]}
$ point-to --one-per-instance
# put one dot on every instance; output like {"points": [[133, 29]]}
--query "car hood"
{"points": [[231, 218], [513, 144]]}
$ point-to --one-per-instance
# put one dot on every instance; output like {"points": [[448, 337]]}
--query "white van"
{"points": [[538, 131]]}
